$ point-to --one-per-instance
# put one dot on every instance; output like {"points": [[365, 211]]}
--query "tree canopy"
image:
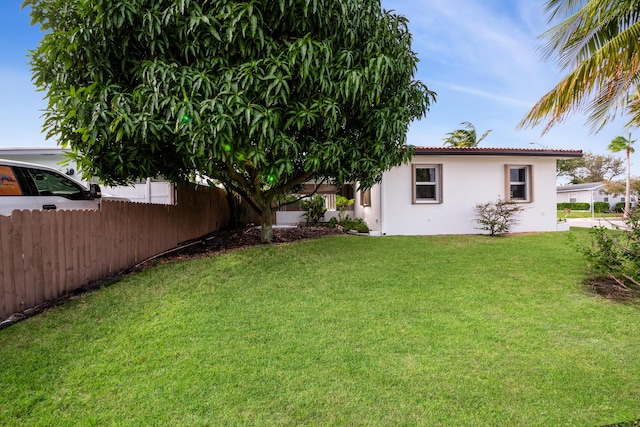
{"points": [[597, 43], [260, 95], [590, 168], [620, 143], [619, 187]]}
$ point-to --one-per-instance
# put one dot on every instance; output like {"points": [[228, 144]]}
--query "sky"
{"points": [[479, 56]]}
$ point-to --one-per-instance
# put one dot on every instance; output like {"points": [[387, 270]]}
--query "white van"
{"points": [[27, 186]]}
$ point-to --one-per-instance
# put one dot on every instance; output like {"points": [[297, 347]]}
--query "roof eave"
{"points": [[475, 151]]}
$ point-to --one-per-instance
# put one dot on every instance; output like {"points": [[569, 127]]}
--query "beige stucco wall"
{"points": [[466, 180]]}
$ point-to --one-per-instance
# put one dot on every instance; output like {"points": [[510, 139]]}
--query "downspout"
{"points": [[380, 201], [148, 190]]}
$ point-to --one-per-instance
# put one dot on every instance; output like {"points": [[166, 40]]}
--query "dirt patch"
{"points": [[610, 289]]}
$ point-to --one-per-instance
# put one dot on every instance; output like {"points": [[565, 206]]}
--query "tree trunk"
{"points": [[267, 224], [234, 212], [627, 192]]}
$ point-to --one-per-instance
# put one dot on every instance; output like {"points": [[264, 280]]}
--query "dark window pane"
{"points": [[518, 192], [517, 174], [426, 192], [425, 174], [51, 184]]}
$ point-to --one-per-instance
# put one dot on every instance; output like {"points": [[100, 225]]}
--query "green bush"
{"points": [[601, 207], [578, 206], [615, 257], [620, 207], [314, 209], [343, 204], [350, 224], [357, 224], [497, 217]]}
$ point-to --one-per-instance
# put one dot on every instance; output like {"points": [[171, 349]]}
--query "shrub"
{"points": [[616, 256], [601, 207], [350, 224], [314, 209], [343, 204], [577, 206], [357, 224], [497, 217], [619, 207]]}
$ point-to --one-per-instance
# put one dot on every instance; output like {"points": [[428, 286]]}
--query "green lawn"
{"points": [[345, 330], [588, 214]]}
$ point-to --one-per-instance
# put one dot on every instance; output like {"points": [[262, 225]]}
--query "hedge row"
{"points": [[601, 207], [581, 206]]}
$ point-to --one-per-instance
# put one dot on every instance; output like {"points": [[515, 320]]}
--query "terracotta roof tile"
{"points": [[547, 152]]}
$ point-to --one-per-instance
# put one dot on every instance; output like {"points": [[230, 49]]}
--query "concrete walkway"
{"points": [[596, 222]]}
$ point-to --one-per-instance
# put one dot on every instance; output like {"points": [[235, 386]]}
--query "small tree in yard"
{"points": [[615, 257], [497, 217], [258, 95], [343, 204]]}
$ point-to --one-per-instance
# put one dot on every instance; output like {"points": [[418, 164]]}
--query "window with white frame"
{"points": [[519, 183], [427, 183], [573, 197]]}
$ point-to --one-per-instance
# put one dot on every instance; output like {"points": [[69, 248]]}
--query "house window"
{"points": [[519, 179], [427, 183], [365, 197], [606, 198], [622, 199], [573, 197]]}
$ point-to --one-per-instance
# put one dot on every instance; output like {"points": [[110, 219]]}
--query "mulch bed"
{"points": [[224, 241]]}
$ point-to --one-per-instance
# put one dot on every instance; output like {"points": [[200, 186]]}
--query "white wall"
{"points": [[466, 180], [296, 217], [583, 196], [148, 192]]}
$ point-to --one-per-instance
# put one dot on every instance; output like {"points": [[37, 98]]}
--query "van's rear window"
{"points": [[9, 183]]}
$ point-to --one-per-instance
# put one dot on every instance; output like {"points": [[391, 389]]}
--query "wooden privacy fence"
{"points": [[46, 254]]}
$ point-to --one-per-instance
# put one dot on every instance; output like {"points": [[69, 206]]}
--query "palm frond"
{"points": [[599, 43]]}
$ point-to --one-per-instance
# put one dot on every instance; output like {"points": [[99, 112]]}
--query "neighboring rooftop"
{"points": [[579, 187]]}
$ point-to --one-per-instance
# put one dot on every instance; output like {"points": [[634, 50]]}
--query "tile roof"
{"points": [[484, 151]]}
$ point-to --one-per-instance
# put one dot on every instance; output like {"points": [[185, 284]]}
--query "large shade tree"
{"points": [[590, 168], [598, 45], [261, 95]]}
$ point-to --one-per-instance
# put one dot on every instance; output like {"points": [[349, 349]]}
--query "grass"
{"points": [[588, 214], [346, 330]]}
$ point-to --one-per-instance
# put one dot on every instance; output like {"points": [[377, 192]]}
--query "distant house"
{"points": [[437, 191], [147, 191], [588, 193]]}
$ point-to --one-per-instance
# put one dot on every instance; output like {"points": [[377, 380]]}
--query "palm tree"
{"points": [[466, 137], [621, 143], [598, 44]]}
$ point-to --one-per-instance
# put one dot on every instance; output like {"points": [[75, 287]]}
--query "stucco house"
{"points": [[588, 193], [436, 192]]}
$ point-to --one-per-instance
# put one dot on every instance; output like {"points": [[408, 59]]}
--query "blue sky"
{"points": [[478, 55]]}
